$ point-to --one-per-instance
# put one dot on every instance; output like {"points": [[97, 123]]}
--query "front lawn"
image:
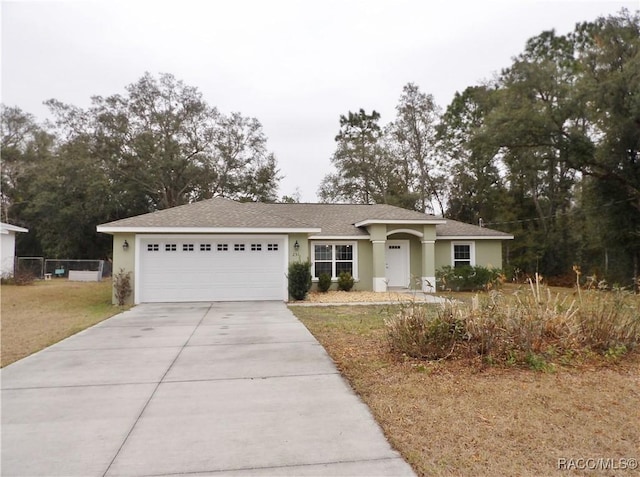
{"points": [[39, 315], [462, 418]]}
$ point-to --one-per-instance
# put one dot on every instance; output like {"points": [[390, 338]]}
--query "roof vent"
{"points": [[481, 222]]}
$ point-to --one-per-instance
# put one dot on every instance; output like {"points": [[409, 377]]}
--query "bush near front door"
{"points": [[468, 278]]}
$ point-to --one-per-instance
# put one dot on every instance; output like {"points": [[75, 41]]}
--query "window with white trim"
{"points": [[153, 247], [463, 254], [334, 258], [187, 247], [222, 247], [238, 247], [170, 247], [205, 247], [256, 247], [272, 247]]}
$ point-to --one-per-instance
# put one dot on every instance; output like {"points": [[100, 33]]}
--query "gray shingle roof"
{"points": [[332, 219], [339, 219], [212, 213], [453, 228]]}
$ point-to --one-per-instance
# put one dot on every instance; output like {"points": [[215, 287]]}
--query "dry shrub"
{"points": [[609, 320], [422, 331], [20, 278], [531, 326], [122, 286]]}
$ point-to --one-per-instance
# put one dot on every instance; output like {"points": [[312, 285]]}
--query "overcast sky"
{"points": [[294, 65]]}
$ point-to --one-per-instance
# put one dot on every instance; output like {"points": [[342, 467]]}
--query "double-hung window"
{"points": [[334, 258], [463, 254]]}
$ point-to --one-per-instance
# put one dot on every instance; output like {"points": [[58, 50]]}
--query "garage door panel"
{"points": [[194, 269]]}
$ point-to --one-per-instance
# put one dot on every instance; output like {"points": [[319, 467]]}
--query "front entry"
{"points": [[397, 263]]}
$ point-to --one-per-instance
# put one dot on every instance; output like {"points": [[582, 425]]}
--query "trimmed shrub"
{"points": [[299, 278], [345, 281], [324, 282], [468, 278]]}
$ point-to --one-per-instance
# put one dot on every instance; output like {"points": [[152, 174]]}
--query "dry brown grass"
{"points": [[39, 315], [460, 418]]}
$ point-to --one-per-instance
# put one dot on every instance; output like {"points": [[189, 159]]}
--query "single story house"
{"points": [[8, 248], [222, 250]]}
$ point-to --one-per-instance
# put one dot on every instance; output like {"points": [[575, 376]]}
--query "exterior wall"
{"points": [[443, 253], [365, 266], [488, 253], [124, 259], [7, 253], [302, 254], [391, 229]]}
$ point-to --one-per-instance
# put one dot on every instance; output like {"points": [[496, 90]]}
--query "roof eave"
{"points": [[6, 228], [474, 237], [339, 237], [366, 222], [204, 230]]}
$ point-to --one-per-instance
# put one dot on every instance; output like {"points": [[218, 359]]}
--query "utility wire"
{"points": [[559, 214]]}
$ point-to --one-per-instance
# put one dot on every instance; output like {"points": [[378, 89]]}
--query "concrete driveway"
{"points": [[189, 389]]}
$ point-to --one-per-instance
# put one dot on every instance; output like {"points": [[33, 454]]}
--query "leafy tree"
{"points": [[163, 142], [157, 146], [239, 165], [558, 136], [475, 187], [67, 199], [359, 160], [23, 145], [609, 87], [537, 123], [414, 137]]}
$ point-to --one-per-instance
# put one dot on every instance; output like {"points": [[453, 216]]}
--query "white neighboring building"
{"points": [[8, 247]]}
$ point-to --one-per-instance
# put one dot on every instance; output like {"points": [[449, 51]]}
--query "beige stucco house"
{"points": [[219, 249]]}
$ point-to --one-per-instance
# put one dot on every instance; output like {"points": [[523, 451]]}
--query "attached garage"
{"points": [[210, 268]]}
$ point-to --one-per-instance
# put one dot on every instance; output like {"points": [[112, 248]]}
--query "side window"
{"points": [[461, 255]]}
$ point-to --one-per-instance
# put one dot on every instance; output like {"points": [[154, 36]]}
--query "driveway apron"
{"points": [[189, 389]]}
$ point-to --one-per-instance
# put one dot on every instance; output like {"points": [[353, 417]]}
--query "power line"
{"points": [[560, 214]]}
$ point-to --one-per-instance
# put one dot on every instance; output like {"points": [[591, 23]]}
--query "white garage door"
{"points": [[211, 268]]}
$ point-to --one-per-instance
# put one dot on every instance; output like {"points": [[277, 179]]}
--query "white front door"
{"points": [[397, 263]]}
